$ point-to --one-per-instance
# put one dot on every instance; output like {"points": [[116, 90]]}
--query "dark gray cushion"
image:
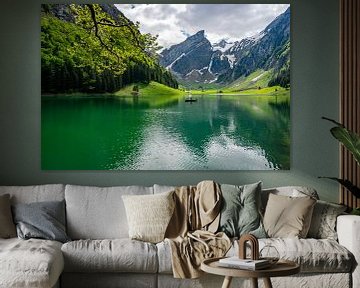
{"points": [[240, 213], [44, 220]]}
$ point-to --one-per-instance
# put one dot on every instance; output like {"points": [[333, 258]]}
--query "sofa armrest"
{"points": [[348, 230]]}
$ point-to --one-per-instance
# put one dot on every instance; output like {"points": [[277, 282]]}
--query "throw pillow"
{"points": [[44, 220], [323, 222], [7, 226], [240, 213], [149, 215], [288, 217]]}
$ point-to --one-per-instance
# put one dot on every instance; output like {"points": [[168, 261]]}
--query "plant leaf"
{"points": [[349, 139], [347, 184]]}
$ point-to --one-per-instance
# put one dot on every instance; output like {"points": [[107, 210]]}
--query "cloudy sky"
{"points": [[174, 22]]}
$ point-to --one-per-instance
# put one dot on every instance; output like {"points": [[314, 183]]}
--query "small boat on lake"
{"points": [[189, 98]]}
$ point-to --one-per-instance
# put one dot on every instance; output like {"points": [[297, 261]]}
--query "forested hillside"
{"points": [[95, 48]]}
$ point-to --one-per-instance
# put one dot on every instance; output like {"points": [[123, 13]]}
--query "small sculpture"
{"points": [[254, 246]]}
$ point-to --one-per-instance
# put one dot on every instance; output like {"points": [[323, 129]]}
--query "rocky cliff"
{"points": [[197, 60]]}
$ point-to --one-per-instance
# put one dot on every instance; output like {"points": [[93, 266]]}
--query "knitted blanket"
{"points": [[191, 232]]}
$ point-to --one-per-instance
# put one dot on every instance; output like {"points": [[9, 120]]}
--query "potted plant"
{"points": [[351, 141]]}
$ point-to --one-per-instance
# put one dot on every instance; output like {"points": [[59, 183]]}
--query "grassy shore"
{"points": [[267, 91], [149, 90], [157, 91]]}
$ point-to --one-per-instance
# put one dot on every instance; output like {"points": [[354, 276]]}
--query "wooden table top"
{"points": [[281, 268]]}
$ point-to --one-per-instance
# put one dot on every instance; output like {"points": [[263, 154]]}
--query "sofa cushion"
{"points": [[149, 215], [7, 226], [43, 220], [98, 213], [323, 222], [36, 193], [287, 216], [162, 188], [30, 263], [164, 257], [313, 255], [291, 191], [240, 210], [116, 255]]}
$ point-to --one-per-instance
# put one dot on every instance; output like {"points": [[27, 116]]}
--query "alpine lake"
{"points": [[216, 132]]}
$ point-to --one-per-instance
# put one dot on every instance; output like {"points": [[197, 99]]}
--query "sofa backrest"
{"points": [[293, 191], [36, 193], [98, 212], [162, 188]]}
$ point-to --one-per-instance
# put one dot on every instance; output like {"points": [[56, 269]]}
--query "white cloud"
{"points": [[172, 22]]}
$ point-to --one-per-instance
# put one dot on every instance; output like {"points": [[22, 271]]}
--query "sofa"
{"points": [[100, 253]]}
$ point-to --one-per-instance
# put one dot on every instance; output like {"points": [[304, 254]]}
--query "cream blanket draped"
{"points": [[191, 231]]}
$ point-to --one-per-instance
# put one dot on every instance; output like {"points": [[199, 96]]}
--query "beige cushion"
{"points": [[287, 217], [293, 191], [149, 215], [7, 226], [110, 255]]}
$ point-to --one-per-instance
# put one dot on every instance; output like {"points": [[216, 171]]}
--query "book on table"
{"points": [[249, 264]]}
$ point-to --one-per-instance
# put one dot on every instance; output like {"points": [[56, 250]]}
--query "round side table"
{"points": [[281, 268]]}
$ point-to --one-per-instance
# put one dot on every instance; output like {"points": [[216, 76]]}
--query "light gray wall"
{"points": [[314, 72]]}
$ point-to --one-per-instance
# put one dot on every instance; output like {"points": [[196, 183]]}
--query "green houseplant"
{"points": [[351, 141]]}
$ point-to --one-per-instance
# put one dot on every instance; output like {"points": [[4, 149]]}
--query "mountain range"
{"points": [[196, 60]]}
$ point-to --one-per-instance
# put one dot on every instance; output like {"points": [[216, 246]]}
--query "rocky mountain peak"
{"points": [[196, 60], [222, 43], [198, 35]]}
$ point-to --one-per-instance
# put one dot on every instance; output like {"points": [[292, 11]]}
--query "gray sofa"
{"points": [[101, 254]]}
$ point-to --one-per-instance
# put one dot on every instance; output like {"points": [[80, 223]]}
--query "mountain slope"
{"points": [[270, 49], [196, 60]]}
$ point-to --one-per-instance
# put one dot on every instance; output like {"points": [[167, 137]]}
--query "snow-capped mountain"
{"points": [[197, 60], [191, 59], [222, 45]]}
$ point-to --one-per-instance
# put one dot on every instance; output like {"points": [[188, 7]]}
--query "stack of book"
{"points": [[248, 264]]}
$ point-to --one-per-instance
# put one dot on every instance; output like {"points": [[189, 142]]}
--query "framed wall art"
{"points": [[165, 86]]}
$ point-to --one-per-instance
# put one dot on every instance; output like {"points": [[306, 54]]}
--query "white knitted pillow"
{"points": [[149, 215]]}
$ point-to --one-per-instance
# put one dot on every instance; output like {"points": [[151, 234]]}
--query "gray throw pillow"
{"points": [[323, 222], [240, 213], [44, 220], [7, 226]]}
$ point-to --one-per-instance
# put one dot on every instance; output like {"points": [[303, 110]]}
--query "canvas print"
{"points": [[165, 86]]}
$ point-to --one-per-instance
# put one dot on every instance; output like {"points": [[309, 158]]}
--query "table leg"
{"points": [[267, 283], [227, 282], [254, 282]]}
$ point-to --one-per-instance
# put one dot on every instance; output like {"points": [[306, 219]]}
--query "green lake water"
{"points": [[214, 133]]}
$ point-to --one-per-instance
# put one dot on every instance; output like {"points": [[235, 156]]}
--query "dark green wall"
{"points": [[314, 81]]}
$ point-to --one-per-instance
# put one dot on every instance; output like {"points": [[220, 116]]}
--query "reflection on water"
{"points": [[214, 133]]}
